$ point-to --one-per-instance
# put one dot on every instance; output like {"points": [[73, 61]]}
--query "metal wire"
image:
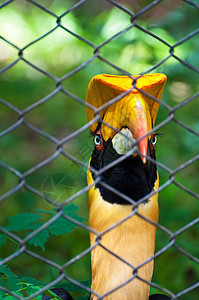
{"points": [[22, 178]]}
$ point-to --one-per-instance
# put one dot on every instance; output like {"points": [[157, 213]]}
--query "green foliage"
{"points": [[29, 222], [17, 284], [2, 240], [26, 286], [22, 221]]}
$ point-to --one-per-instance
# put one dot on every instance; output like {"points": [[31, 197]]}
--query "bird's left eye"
{"points": [[97, 140], [153, 142]]}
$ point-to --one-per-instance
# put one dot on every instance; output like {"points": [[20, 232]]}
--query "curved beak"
{"points": [[131, 117]]}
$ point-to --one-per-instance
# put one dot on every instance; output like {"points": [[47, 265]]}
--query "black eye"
{"points": [[154, 140], [97, 140]]}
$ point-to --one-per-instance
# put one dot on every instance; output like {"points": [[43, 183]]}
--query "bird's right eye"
{"points": [[98, 141]]}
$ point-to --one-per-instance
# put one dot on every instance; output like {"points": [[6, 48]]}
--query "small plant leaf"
{"points": [[3, 239], [6, 296], [40, 238], [4, 270], [61, 226], [52, 295], [31, 280], [42, 211], [71, 287], [76, 217], [71, 208], [22, 221], [12, 283], [31, 289]]}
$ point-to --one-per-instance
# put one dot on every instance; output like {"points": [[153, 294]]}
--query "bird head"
{"points": [[124, 128]]}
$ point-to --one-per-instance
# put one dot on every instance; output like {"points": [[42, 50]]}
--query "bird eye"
{"points": [[154, 140], [97, 140]]}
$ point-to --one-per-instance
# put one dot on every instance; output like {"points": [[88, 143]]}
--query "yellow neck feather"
{"points": [[133, 240]]}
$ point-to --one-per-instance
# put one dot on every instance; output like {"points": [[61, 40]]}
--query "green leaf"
{"points": [[16, 283], [2, 283], [52, 295], [69, 208], [8, 278], [42, 211], [76, 217], [12, 283], [71, 287], [6, 296], [31, 289], [61, 226], [22, 221], [31, 280], [40, 238], [6, 271], [3, 239], [155, 291], [2, 293]]}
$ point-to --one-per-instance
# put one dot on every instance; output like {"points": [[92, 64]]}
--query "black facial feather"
{"points": [[130, 177]]}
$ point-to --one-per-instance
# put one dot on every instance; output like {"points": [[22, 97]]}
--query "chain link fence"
{"points": [[49, 52]]}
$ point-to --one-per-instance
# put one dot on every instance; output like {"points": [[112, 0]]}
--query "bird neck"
{"points": [[133, 240]]}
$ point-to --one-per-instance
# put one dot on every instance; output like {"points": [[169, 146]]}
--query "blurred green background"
{"points": [[59, 53]]}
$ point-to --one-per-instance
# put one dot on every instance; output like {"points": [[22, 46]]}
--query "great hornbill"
{"points": [[122, 123]]}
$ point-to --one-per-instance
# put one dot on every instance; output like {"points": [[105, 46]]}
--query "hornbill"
{"points": [[122, 123], [115, 133]]}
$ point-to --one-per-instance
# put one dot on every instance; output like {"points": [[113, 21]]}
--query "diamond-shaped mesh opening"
{"points": [[21, 30], [49, 53]]}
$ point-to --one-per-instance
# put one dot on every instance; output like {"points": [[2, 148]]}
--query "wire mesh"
{"points": [[23, 119]]}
